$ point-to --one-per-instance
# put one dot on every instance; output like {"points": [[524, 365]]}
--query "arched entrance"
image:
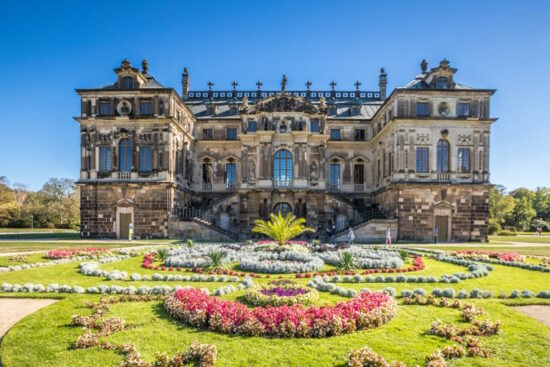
{"points": [[283, 208]]}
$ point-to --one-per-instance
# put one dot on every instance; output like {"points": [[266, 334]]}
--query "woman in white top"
{"points": [[388, 237], [351, 236]]}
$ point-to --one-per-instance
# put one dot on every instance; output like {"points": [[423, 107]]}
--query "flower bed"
{"points": [[280, 262], [281, 295], [368, 310], [197, 257], [271, 242], [72, 252], [504, 256], [365, 258]]}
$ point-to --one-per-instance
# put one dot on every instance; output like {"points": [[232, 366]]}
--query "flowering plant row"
{"points": [[505, 256], [368, 310], [271, 242], [281, 262], [281, 295], [68, 253], [365, 258]]}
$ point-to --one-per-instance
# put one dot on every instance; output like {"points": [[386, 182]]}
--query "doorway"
{"points": [[442, 223], [124, 219]]}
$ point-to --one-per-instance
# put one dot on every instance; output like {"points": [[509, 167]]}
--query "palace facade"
{"points": [[206, 164]]}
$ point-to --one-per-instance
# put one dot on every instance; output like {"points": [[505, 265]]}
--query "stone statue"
{"points": [[245, 103], [323, 104], [314, 171], [251, 170], [283, 84]]}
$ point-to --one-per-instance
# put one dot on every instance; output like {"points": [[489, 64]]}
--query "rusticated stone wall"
{"points": [[150, 205], [372, 231], [416, 206]]}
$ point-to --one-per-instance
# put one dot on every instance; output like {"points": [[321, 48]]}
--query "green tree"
{"points": [[9, 210], [541, 203], [500, 207], [280, 228], [523, 213]]}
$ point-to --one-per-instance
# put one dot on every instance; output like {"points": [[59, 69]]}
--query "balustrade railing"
{"points": [[124, 175], [207, 186], [282, 183]]}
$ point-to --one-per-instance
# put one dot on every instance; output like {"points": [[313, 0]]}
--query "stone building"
{"points": [[207, 163]]}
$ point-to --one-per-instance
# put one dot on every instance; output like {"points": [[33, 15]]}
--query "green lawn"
{"points": [[44, 338], [530, 250], [522, 239], [44, 245]]}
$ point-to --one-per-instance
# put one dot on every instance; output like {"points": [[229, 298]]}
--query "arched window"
{"points": [[125, 155], [282, 168], [283, 208], [443, 156], [127, 82]]}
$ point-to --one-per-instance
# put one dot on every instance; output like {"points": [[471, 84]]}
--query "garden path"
{"points": [[14, 309], [538, 312]]}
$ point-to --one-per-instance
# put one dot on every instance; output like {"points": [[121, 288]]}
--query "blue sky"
{"points": [[50, 48]]}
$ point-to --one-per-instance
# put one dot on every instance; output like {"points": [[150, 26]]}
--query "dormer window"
{"points": [[441, 82], [127, 82]]}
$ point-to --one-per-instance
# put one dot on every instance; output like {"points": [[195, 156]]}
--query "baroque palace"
{"points": [[206, 164]]}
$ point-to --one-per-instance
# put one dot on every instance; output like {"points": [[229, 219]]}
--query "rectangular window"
{"points": [[145, 159], [335, 134], [334, 179], [230, 174], [146, 108], [464, 160], [463, 109], [422, 159], [207, 134], [314, 126], [105, 108], [104, 159], [252, 126], [231, 133], [422, 109], [358, 174], [359, 134]]}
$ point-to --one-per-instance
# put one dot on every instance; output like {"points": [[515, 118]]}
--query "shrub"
{"points": [[527, 294], [419, 292], [462, 294], [448, 293], [390, 291], [406, 293]]}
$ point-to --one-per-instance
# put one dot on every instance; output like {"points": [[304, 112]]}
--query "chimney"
{"points": [[185, 83], [382, 83]]}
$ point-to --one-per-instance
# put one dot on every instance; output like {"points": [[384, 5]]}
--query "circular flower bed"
{"points": [[280, 262], [281, 294], [194, 308]]}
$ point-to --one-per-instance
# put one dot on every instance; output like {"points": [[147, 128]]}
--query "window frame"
{"points": [[127, 157], [333, 133], [443, 162], [333, 179], [463, 160], [314, 126], [230, 173], [145, 159], [208, 134], [105, 156], [101, 111], [359, 135], [438, 84], [422, 159], [283, 166], [422, 112], [124, 79], [460, 109], [227, 135], [252, 123], [144, 103]]}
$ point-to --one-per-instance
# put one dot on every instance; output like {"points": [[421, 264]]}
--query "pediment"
{"points": [[285, 103]]}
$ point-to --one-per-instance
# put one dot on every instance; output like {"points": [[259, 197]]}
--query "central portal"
{"points": [[283, 208]]}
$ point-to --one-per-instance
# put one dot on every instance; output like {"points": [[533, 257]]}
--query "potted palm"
{"points": [[281, 229]]}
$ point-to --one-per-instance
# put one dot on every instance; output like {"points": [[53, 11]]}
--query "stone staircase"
{"points": [[204, 219]]}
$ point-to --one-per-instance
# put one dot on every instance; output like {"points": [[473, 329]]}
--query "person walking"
{"points": [[388, 237], [351, 236]]}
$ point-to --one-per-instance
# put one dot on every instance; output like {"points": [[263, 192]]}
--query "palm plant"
{"points": [[347, 261], [162, 254], [216, 260], [280, 228]]}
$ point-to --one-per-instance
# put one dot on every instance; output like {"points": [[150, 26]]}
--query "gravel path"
{"points": [[14, 309], [538, 312]]}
